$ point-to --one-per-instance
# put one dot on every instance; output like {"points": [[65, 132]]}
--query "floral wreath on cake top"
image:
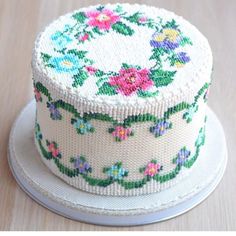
{"points": [[130, 79]]}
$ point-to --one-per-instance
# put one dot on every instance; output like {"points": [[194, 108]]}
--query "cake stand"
{"points": [[53, 193]]}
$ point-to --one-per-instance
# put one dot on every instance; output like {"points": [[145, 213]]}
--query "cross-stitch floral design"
{"points": [[121, 133], [201, 137], [131, 80], [167, 42], [54, 112], [160, 128], [102, 19], [188, 115], [81, 164], [181, 59], [68, 63], [53, 149], [37, 95], [38, 133], [182, 156], [82, 126], [116, 172], [60, 40], [152, 168], [168, 39], [151, 171]]}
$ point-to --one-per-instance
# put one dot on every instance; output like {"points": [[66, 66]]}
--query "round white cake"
{"points": [[121, 95]]}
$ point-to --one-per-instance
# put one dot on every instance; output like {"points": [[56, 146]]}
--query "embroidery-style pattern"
{"points": [[82, 126], [160, 128], [167, 44], [121, 131], [117, 173]]}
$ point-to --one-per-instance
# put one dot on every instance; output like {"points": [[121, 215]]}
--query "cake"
{"points": [[121, 94]]}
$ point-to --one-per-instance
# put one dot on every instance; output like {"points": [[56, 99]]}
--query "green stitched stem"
{"points": [[131, 119]]}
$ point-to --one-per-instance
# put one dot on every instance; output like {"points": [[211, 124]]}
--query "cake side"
{"points": [[143, 131]]}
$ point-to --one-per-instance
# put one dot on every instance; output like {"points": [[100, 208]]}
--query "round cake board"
{"points": [[53, 193]]}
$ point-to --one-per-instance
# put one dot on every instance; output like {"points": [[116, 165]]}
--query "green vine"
{"points": [[118, 166]]}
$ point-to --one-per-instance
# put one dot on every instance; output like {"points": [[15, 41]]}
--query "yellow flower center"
{"points": [[81, 165], [81, 126], [115, 172], [102, 17], [160, 38], [152, 170], [171, 34], [179, 64], [67, 63], [121, 132], [131, 79]]}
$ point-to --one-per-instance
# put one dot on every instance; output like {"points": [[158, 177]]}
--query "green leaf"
{"points": [[162, 78], [171, 24], [122, 28], [134, 18], [79, 54], [118, 9], [144, 94], [45, 57], [97, 31], [107, 89], [79, 78], [80, 17], [185, 40]]}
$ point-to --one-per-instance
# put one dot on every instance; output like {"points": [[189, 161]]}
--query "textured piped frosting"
{"points": [[123, 55], [121, 94]]}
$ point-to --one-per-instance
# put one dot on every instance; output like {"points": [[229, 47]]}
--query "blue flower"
{"points": [[183, 57], [60, 40], [54, 112], [116, 172], [182, 156], [67, 63], [160, 128], [82, 126]]}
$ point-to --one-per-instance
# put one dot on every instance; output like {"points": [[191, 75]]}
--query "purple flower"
{"points": [[166, 44], [54, 112], [183, 57], [168, 39], [160, 128], [82, 165], [182, 156]]}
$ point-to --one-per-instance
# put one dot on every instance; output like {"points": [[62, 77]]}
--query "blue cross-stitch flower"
{"points": [[160, 128], [182, 156], [82, 126], [67, 63]]}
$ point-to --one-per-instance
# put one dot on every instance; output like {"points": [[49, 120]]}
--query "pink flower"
{"points": [[152, 169], [130, 80], [84, 37], [52, 149], [37, 95], [91, 70], [142, 19], [121, 133], [102, 19]]}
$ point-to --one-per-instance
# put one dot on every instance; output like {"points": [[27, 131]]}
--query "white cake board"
{"points": [[53, 193]]}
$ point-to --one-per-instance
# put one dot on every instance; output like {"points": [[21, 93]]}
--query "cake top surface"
{"points": [[123, 54]]}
